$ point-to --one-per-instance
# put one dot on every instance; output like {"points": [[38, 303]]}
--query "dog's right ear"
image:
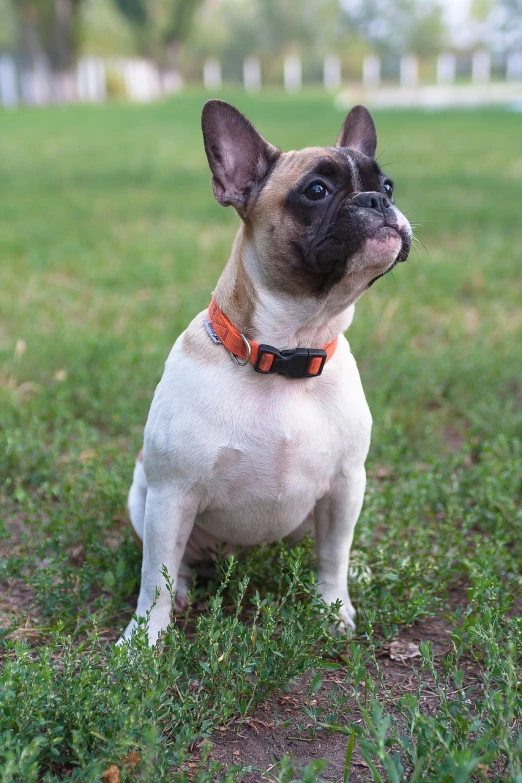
{"points": [[239, 157]]}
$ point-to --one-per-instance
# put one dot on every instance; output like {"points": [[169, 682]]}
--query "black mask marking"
{"points": [[336, 228]]}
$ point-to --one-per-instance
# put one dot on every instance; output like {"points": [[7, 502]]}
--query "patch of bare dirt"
{"points": [[17, 608], [279, 726], [453, 438]]}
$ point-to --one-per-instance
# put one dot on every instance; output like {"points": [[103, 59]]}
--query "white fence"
{"points": [[140, 80]]}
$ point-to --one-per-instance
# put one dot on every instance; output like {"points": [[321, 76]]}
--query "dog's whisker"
{"points": [[414, 247], [379, 156], [419, 241]]}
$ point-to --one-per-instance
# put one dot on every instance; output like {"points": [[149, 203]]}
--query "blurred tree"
{"points": [[8, 37], [161, 26], [270, 29], [284, 26], [64, 30], [496, 24], [224, 29], [504, 25], [104, 31], [397, 26], [137, 13], [28, 17], [48, 28], [180, 17], [134, 10]]}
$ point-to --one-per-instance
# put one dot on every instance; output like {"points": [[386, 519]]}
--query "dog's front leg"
{"points": [[335, 517], [169, 519]]}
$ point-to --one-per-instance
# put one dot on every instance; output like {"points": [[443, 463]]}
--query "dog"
{"points": [[259, 428]]}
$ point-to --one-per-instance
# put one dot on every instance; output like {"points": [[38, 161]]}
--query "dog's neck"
{"points": [[271, 317]]}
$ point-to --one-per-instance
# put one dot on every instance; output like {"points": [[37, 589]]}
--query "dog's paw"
{"points": [[347, 624], [346, 611], [128, 633], [181, 600], [349, 610], [154, 624], [126, 637]]}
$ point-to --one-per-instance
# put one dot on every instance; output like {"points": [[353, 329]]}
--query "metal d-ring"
{"points": [[242, 362]]}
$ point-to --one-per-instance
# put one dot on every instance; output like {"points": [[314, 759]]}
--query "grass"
{"points": [[111, 241]]}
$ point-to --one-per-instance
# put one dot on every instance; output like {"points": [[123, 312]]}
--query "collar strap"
{"points": [[293, 362]]}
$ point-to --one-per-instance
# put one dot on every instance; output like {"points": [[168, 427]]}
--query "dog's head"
{"points": [[320, 219]]}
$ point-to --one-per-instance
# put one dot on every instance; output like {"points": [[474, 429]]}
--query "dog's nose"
{"points": [[372, 200]]}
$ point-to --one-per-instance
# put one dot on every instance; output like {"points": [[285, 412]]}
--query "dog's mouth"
{"points": [[402, 255], [378, 277]]}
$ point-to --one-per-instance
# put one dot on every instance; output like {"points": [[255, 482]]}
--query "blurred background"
{"points": [[432, 52]]}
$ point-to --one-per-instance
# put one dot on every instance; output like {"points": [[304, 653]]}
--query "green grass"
{"points": [[110, 242]]}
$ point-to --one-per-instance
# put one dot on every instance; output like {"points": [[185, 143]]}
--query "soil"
{"points": [[16, 596], [279, 726]]}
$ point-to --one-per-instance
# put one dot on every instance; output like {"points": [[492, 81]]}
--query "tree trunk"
{"points": [[30, 36], [173, 55], [64, 34]]}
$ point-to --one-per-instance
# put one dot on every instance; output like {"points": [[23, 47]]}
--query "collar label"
{"points": [[211, 332]]}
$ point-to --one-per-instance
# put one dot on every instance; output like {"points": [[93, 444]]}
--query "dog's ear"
{"points": [[358, 132], [238, 156]]}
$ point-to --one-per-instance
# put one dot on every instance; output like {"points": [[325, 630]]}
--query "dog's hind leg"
{"points": [[136, 500]]}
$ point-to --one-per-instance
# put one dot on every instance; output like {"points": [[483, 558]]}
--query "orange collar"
{"points": [[293, 362]]}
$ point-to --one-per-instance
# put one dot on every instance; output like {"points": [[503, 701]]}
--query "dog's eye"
{"points": [[388, 189], [316, 191]]}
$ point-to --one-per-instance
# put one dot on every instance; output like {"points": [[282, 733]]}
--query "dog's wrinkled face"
{"points": [[321, 219]]}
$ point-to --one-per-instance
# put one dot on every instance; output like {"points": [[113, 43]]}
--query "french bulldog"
{"points": [[259, 428]]}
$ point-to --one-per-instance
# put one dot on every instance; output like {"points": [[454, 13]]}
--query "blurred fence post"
{"points": [[212, 74], [409, 71], [252, 74], [91, 79], [65, 87], [514, 66], [446, 68], [481, 66], [292, 73], [142, 80], [8, 84], [38, 87], [171, 81], [332, 72], [371, 71]]}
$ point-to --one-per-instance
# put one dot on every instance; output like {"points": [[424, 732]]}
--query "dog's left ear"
{"points": [[358, 132], [238, 156]]}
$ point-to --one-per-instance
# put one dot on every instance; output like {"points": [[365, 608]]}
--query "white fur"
{"points": [[137, 499], [356, 180]]}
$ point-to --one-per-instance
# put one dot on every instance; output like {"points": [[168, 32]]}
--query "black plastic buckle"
{"points": [[293, 362]]}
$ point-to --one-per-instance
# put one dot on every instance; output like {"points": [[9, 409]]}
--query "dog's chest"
{"points": [[255, 452], [279, 461]]}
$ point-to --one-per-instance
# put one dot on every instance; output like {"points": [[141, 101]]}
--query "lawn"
{"points": [[110, 242]]}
